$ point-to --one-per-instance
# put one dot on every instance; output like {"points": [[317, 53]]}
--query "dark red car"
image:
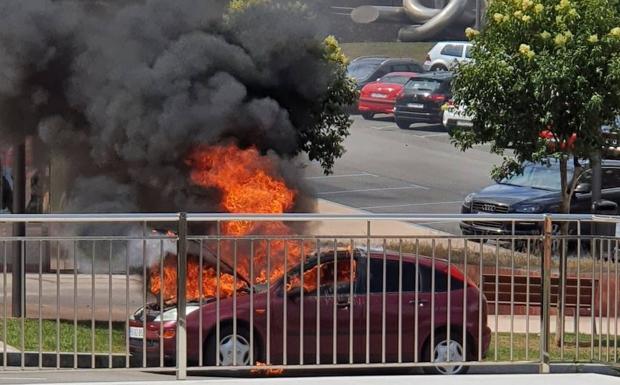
{"points": [[354, 325], [379, 97]]}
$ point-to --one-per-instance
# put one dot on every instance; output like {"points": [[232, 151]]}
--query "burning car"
{"points": [[338, 306]]}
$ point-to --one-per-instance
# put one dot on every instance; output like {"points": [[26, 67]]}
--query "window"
{"points": [[325, 272], [423, 84], [400, 68], [363, 69], [415, 68], [441, 280], [455, 50], [611, 178], [395, 79], [468, 51], [391, 275]]}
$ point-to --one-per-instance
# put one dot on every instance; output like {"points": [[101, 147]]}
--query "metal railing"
{"points": [[266, 293]]}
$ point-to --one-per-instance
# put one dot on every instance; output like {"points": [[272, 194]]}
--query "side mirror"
{"points": [[294, 293], [583, 188]]}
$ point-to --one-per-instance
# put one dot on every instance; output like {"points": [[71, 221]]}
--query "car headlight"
{"points": [[171, 314], [469, 199], [528, 209]]}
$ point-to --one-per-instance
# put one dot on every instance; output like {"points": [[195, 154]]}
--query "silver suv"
{"points": [[445, 54]]}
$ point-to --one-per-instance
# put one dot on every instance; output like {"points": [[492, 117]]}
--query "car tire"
{"points": [[227, 345], [440, 353], [402, 124], [439, 67], [368, 115]]}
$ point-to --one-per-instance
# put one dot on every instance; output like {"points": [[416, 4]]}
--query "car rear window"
{"points": [[455, 50], [395, 79], [363, 69], [423, 84]]}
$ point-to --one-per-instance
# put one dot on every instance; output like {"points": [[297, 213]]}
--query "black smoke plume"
{"points": [[123, 90]]}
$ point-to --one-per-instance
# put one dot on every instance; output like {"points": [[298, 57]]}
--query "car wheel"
{"points": [[403, 124], [439, 67], [233, 349], [368, 115], [444, 348]]}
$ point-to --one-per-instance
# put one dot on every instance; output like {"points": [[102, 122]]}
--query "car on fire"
{"points": [[322, 310], [379, 97]]}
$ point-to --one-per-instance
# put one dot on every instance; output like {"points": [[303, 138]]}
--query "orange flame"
{"points": [[249, 183]]}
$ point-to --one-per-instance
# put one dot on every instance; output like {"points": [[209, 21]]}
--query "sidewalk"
{"points": [[491, 379]]}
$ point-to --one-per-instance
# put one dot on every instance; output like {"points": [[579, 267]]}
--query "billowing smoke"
{"points": [[124, 90]]}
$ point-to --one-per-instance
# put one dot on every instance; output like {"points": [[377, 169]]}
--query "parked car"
{"points": [[369, 69], [422, 99], [537, 190], [455, 116], [379, 97], [444, 55], [277, 309]]}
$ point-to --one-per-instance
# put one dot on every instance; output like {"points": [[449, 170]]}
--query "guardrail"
{"points": [[266, 293]]}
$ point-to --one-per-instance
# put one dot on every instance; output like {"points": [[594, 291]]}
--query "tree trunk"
{"points": [[566, 191]]}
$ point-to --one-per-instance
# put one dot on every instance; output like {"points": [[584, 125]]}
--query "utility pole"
{"points": [[19, 229]]}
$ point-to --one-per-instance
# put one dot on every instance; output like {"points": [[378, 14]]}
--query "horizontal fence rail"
{"points": [[266, 293]]}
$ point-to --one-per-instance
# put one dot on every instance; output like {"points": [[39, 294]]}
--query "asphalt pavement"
{"points": [[389, 170]]}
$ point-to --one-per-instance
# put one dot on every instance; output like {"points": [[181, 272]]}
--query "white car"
{"points": [[444, 55], [454, 116]]}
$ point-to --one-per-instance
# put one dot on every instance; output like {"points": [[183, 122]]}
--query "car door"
{"points": [[390, 323], [611, 184], [581, 203], [318, 311]]}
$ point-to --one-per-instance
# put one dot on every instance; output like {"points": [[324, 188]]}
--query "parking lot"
{"points": [[389, 170]]}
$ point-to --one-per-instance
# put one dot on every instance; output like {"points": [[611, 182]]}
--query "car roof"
{"points": [[439, 75], [412, 74]]}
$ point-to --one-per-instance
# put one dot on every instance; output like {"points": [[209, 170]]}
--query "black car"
{"points": [[537, 190], [370, 68], [422, 99]]}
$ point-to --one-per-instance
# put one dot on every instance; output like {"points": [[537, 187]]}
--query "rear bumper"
{"points": [[376, 106], [424, 116]]}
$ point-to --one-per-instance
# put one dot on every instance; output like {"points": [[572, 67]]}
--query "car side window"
{"points": [[455, 50], [400, 68], [441, 280], [611, 178], [328, 279], [392, 270], [415, 68], [468, 51]]}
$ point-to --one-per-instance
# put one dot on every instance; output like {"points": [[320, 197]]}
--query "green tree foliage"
{"points": [[327, 125], [542, 65]]}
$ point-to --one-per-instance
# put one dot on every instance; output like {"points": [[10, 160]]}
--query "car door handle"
{"points": [[343, 304], [421, 302]]}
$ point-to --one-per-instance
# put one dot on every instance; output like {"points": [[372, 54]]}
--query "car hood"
{"points": [[513, 195]]}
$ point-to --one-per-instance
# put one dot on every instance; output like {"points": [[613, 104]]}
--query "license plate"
{"points": [[136, 332], [379, 96], [415, 105], [464, 123]]}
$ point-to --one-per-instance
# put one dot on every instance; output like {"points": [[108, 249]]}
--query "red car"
{"points": [[334, 330], [379, 97]]}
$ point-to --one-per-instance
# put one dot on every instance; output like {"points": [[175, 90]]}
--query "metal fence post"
{"points": [[181, 298], [545, 295]]}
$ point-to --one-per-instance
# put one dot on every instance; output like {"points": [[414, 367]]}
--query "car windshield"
{"points": [[395, 79], [363, 69], [538, 176], [423, 84]]}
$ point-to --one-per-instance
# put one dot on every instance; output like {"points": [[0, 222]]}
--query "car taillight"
{"points": [[439, 98], [400, 94]]}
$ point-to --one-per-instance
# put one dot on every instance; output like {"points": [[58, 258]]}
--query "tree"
{"points": [[542, 65], [545, 76], [325, 121]]}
